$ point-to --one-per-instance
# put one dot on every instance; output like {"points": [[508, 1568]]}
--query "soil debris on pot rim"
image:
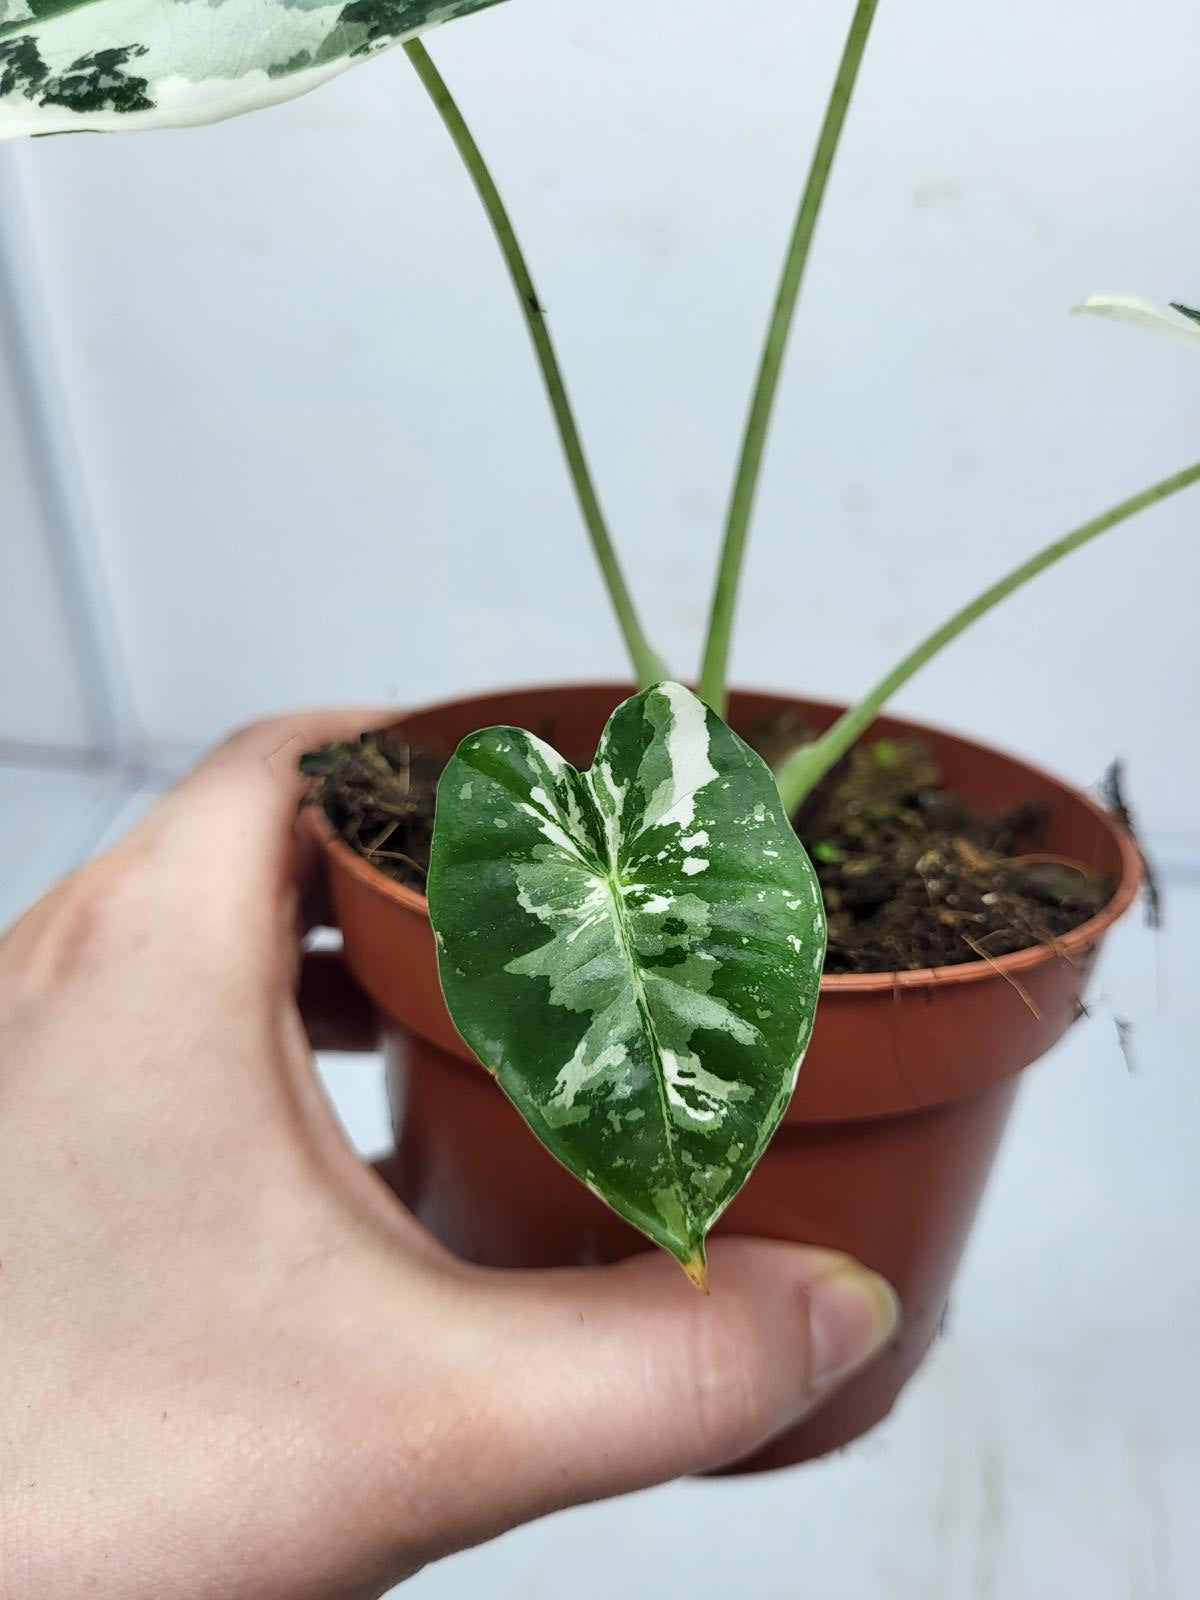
{"points": [[912, 876], [379, 793]]}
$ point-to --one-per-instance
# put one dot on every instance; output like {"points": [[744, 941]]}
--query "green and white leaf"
{"points": [[1126, 308], [71, 66], [635, 951]]}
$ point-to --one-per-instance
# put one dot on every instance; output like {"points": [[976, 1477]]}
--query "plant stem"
{"points": [[741, 506], [647, 665], [803, 770]]}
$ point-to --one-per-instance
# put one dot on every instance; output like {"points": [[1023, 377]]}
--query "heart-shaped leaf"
{"points": [[70, 66], [635, 951]]}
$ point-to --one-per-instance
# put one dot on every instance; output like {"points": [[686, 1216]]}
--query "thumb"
{"points": [[619, 1377]]}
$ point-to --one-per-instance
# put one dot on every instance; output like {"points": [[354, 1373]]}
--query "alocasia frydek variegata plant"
{"points": [[634, 951]]}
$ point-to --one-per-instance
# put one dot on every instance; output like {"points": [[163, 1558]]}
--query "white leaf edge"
{"points": [[204, 60], [1128, 308]]}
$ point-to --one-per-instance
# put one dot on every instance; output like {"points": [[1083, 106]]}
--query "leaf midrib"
{"points": [[612, 882]]}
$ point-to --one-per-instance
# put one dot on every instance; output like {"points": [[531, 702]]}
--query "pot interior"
{"points": [[572, 717]]}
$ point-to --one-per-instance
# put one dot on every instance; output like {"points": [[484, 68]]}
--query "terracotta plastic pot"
{"points": [[900, 1105]]}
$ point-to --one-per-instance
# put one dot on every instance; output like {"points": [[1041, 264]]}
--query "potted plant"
{"points": [[615, 913]]}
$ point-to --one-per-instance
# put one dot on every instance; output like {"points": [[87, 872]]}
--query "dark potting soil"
{"points": [[912, 877]]}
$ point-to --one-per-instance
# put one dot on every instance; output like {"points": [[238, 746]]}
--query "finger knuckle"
{"points": [[253, 735]]}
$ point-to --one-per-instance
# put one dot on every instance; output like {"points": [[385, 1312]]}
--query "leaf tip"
{"points": [[696, 1268]]}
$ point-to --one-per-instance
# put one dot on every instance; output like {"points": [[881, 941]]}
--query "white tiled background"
{"points": [[269, 434]]}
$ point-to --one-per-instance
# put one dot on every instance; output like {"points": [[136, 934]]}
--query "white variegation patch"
{"points": [[1127, 308], [115, 65], [687, 750], [696, 1096], [579, 1072]]}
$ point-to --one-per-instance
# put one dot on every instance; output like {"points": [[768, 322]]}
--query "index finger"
{"points": [[238, 807]]}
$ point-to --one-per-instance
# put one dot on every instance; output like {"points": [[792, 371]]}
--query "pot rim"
{"points": [[1018, 961]]}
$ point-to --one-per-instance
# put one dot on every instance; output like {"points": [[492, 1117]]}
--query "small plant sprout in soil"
{"points": [[631, 940]]}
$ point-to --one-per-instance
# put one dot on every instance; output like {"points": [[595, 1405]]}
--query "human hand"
{"points": [[234, 1366]]}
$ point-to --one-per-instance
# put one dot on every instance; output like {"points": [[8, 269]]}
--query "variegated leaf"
{"points": [[71, 66], [1125, 308], [635, 951]]}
